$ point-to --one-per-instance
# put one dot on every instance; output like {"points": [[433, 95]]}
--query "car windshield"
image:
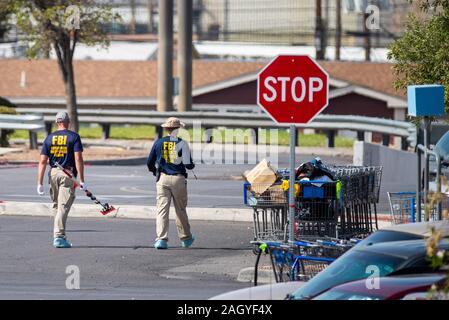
{"points": [[354, 265], [442, 146], [389, 236]]}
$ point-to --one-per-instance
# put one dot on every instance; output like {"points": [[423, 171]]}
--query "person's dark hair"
{"points": [[170, 130]]}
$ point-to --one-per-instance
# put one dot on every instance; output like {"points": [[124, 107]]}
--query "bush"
{"points": [[5, 133], [7, 110]]}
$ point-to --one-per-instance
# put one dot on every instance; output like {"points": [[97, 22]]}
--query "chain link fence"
{"points": [[289, 22]]}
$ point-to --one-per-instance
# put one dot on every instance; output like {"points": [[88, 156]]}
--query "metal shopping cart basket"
{"points": [[403, 208], [310, 258], [270, 207], [301, 260], [360, 188], [317, 209]]}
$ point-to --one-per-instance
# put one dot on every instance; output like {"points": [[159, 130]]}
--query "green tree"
{"points": [[4, 17], [421, 55], [60, 25], [6, 107]]}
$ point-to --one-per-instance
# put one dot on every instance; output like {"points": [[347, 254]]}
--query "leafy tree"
{"points": [[6, 107], [60, 25], [421, 55], [4, 16]]}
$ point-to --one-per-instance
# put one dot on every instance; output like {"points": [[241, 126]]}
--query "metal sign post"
{"points": [[425, 101], [291, 197], [425, 183], [426, 128], [292, 90]]}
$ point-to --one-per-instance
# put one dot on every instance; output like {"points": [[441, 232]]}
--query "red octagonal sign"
{"points": [[293, 89]]}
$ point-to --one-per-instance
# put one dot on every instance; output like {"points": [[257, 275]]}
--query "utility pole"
{"points": [[132, 24], [197, 13], [150, 16], [165, 56], [319, 32], [338, 31], [226, 20], [367, 34], [185, 14]]}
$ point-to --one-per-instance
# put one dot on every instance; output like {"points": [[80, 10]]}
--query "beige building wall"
{"points": [[293, 21]]}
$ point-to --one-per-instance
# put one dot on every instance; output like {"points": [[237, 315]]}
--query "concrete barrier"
{"points": [[126, 211], [399, 168]]}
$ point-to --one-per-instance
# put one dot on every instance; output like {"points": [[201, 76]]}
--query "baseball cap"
{"points": [[62, 116]]}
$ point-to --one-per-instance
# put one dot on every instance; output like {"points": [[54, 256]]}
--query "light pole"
{"points": [[165, 56], [185, 9]]}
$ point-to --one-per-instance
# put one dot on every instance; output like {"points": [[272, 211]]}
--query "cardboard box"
{"points": [[261, 177]]}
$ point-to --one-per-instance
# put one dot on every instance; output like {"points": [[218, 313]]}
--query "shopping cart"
{"points": [[301, 260], [270, 207], [330, 218], [360, 188], [342, 209], [403, 207], [317, 209]]}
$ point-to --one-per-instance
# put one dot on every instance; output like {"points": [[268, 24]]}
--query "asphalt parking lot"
{"points": [[218, 185], [116, 260]]}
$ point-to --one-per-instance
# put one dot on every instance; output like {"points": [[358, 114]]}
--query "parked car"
{"points": [[388, 288], [442, 149], [402, 232], [275, 291], [408, 231], [389, 258]]}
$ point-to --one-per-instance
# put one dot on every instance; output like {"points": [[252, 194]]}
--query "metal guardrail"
{"points": [[328, 123], [32, 122], [227, 108]]}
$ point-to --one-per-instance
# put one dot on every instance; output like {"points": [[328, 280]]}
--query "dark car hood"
{"points": [[404, 249]]}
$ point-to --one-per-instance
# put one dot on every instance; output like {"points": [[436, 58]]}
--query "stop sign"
{"points": [[293, 89]]}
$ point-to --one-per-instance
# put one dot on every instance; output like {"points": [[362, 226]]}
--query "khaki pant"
{"points": [[62, 193], [172, 187]]}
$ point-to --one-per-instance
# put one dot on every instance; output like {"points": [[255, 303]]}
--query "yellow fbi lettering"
{"points": [[59, 140], [169, 153], [58, 146]]}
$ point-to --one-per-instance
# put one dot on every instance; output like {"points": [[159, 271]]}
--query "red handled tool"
{"points": [[106, 208]]}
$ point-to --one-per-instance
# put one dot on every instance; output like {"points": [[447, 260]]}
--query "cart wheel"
{"points": [[256, 250]]}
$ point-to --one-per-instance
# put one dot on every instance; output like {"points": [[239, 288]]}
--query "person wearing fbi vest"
{"points": [[168, 160], [63, 147]]}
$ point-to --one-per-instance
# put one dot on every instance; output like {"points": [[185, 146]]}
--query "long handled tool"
{"points": [[106, 208]]}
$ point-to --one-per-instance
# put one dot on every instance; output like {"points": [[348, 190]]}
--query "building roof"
{"points": [[105, 78], [138, 79], [372, 75]]}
